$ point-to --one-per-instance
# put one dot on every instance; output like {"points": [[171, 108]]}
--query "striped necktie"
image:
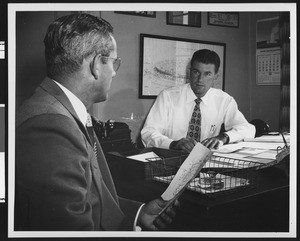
{"points": [[90, 129], [194, 130]]}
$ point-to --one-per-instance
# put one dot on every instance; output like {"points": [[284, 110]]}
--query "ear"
{"points": [[216, 76], [95, 66]]}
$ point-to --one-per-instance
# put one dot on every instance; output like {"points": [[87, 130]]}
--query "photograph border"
{"points": [[138, 13], [106, 7]]}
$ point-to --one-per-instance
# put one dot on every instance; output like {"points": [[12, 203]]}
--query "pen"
{"points": [[212, 129]]}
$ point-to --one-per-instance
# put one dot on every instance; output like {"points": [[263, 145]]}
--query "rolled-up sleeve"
{"points": [[236, 124], [156, 123]]}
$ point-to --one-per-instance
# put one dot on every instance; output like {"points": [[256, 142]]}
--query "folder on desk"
{"points": [[264, 151], [146, 163], [269, 138]]}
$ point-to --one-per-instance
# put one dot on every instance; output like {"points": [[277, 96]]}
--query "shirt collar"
{"points": [[77, 104], [206, 97], [191, 95]]}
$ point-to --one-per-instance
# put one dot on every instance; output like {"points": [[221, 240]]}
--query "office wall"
{"points": [[30, 63], [123, 99], [264, 99], [123, 103]]}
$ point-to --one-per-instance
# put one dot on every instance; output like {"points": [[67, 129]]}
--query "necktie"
{"points": [[194, 130], [89, 127], [111, 215]]}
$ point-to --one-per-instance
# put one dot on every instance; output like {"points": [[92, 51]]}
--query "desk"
{"points": [[263, 208]]}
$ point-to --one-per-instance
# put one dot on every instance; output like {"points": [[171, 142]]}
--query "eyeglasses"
{"points": [[116, 62]]}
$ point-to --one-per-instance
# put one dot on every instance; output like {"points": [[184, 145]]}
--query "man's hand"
{"points": [[216, 141], [149, 218], [185, 144]]}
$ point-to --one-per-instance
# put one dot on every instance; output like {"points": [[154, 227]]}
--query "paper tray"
{"points": [[218, 176], [223, 183]]}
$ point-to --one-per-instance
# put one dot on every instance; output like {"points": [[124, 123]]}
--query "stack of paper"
{"points": [[269, 138]]}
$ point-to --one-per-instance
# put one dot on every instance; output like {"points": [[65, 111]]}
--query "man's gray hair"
{"points": [[72, 38]]}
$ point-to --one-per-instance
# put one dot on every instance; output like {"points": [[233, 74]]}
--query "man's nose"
{"points": [[200, 77]]}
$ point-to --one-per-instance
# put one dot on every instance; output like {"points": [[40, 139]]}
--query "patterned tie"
{"points": [[111, 215], [194, 130], [89, 127]]}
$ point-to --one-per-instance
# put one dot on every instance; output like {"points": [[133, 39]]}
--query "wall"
{"points": [[264, 99], [123, 99], [123, 103], [30, 63]]}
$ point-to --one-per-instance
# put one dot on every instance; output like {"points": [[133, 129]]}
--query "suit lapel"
{"points": [[53, 89], [111, 216]]}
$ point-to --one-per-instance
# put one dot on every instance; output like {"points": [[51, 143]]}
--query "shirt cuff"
{"points": [[135, 227], [166, 143], [227, 141]]}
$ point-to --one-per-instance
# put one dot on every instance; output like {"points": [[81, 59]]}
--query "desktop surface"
{"points": [[262, 208]]}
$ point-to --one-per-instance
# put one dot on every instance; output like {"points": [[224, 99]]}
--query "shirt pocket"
{"points": [[210, 130]]}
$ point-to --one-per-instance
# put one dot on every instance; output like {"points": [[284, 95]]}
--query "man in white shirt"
{"points": [[168, 121], [63, 182]]}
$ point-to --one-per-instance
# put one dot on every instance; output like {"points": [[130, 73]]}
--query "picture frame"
{"points": [[150, 14], [223, 19], [165, 62], [184, 18]]}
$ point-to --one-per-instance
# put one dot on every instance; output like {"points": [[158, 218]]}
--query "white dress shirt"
{"points": [[77, 104], [168, 119]]}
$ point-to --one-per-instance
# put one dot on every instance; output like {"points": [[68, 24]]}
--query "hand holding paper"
{"points": [[187, 172]]}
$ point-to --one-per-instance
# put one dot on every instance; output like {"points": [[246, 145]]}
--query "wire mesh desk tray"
{"points": [[220, 175]]}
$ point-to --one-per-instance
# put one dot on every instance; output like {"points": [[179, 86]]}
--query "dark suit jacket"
{"points": [[60, 183]]}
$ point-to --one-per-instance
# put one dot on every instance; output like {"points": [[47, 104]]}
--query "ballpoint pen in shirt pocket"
{"points": [[212, 130]]}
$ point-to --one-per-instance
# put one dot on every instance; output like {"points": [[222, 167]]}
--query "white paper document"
{"points": [[144, 156], [266, 155], [270, 138], [258, 145], [187, 171], [229, 148], [262, 145]]}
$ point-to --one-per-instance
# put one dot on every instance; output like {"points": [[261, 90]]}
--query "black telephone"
{"points": [[260, 126]]}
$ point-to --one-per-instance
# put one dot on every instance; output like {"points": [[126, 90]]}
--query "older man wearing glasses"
{"points": [[62, 178]]}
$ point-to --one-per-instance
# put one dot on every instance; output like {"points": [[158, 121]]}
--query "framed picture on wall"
{"points": [[150, 14], [165, 62], [224, 19], [190, 19]]}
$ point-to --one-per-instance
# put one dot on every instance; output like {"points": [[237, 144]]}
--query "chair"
{"points": [[260, 126]]}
